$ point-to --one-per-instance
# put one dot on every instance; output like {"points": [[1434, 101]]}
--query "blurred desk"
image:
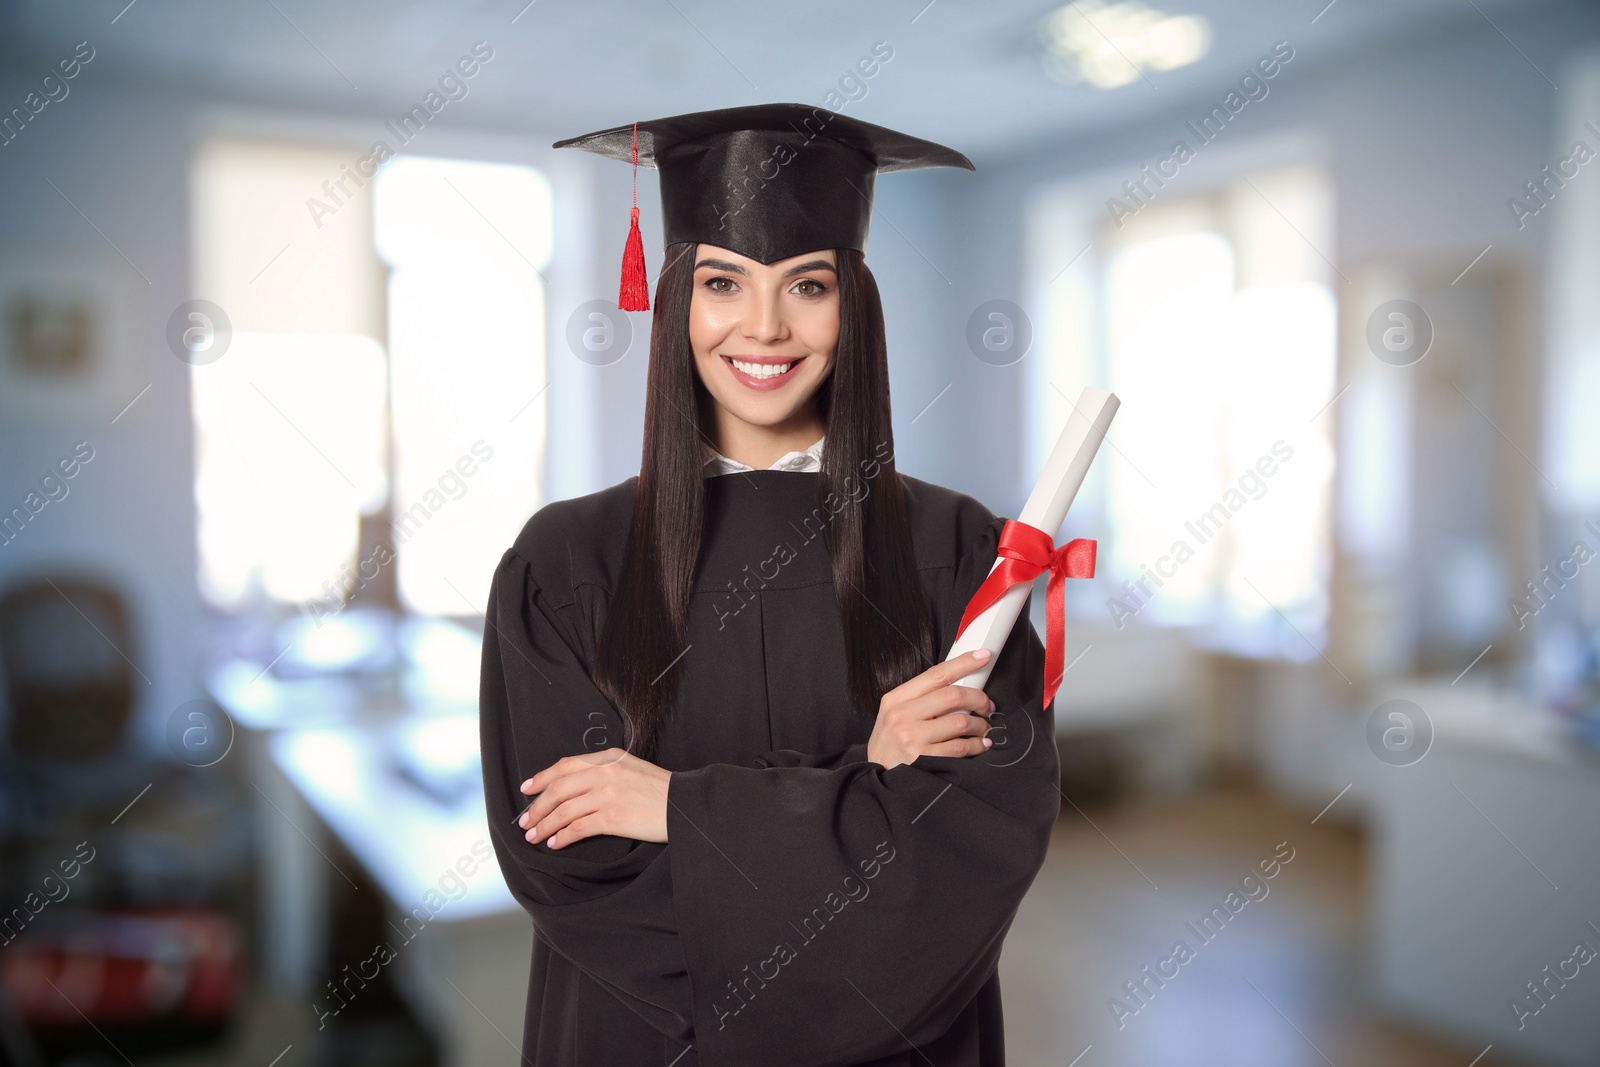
{"points": [[1486, 871], [367, 768]]}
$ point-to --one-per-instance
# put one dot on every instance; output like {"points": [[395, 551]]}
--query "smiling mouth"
{"points": [[763, 371]]}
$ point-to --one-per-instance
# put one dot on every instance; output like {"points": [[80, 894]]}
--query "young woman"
{"points": [[767, 824]]}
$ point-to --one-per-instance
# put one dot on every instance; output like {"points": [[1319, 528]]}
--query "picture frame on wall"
{"points": [[67, 324]]}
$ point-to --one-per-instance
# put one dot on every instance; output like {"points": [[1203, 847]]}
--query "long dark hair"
{"points": [[888, 633]]}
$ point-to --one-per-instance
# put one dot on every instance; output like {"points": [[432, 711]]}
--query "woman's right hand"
{"points": [[915, 718]]}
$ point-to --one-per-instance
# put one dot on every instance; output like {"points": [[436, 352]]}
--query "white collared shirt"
{"points": [[808, 460]]}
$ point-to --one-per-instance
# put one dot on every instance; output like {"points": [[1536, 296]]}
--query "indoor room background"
{"points": [[301, 317]]}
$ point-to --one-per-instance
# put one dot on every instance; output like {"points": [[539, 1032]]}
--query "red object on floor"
{"points": [[125, 967]]}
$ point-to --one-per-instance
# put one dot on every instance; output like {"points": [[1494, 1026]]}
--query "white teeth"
{"points": [[762, 370]]}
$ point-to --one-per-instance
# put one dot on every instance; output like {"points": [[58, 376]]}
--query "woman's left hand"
{"points": [[609, 792]]}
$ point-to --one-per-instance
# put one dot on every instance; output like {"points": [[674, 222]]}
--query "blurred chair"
{"points": [[127, 910], [68, 687]]}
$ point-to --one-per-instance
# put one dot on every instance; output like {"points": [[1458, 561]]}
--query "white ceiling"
{"points": [[963, 73]]}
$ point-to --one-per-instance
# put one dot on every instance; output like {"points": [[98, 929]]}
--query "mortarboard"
{"points": [[768, 181]]}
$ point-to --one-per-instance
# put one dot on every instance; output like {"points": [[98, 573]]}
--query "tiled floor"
{"points": [[1281, 985]]}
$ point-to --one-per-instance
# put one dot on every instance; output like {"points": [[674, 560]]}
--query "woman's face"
{"points": [[748, 321]]}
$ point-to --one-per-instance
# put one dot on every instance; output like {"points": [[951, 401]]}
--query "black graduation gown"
{"points": [[810, 908]]}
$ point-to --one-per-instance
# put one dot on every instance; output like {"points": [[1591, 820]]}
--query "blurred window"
{"points": [[467, 366], [377, 402], [1212, 317]]}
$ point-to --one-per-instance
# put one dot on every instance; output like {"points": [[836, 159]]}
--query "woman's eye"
{"points": [[714, 283], [817, 288]]}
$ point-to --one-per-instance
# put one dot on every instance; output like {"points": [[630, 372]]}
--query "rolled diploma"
{"points": [[1046, 509]]}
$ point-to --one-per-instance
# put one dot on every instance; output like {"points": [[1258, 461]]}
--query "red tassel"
{"points": [[634, 294]]}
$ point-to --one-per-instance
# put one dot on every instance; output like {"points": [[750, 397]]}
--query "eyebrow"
{"points": [[734, 268]]}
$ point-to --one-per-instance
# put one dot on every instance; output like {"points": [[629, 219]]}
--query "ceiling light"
{"points": [[1107, 45]]}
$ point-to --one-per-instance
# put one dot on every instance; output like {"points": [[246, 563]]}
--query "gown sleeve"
{"points": [[840, 914], [604, 903]]}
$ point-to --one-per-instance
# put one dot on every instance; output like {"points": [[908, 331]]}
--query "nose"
{"points": [[763, 321]]}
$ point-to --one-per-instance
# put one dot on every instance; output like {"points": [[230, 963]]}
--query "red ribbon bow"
{"points": [[1026, 552]]}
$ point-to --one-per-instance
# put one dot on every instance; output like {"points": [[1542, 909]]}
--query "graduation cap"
{"points": [[768, 181]]}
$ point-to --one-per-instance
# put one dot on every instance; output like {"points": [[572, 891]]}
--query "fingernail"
{"points": [[991, 706], [982, 653], [987, 743]]}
